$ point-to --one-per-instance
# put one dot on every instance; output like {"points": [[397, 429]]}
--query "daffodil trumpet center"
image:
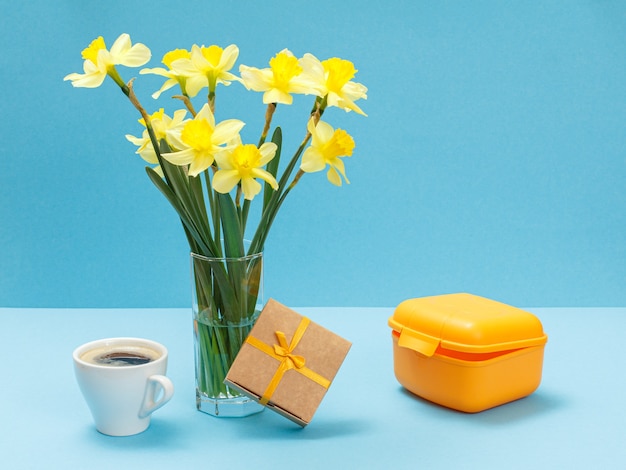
{"points": [[339, 72], [91, 51], [284, 68], [197, 134]]}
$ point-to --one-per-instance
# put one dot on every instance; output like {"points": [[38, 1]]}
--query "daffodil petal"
{"points": [[225, 180], [250, 187], [179, 116], [198, 62], [173, 138], [354, 91], [159, 171], [156, 71], [310, 126], [166, 86], [344, 103], [333, 176], [229, 57], [324, 131], [136, 56], [122, 52], [195, 83], [206, 113], [223, 160], [312, 161], [268, 152], [303, 86], [277, 96], [226, 130], [184, 67], [183, 157], [338, 165], [121, 45], [255, 79], [312, 65], [226, 78], [93, 80], [265, 176], [199, 164], [134, 140], [148, 154]]}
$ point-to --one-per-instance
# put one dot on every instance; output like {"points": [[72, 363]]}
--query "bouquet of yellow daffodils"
{"points": [[190, 148], [203, 167]]}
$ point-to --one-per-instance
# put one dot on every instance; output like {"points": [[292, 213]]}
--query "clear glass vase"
{"points": [[227, 299]]}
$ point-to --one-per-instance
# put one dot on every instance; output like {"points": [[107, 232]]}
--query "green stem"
{"points": [[244, 215], [269, 114], [270, 210], [215, 214], [276, 200]]}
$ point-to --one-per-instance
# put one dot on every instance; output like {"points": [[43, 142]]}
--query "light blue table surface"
{"points": [[576, 419]]}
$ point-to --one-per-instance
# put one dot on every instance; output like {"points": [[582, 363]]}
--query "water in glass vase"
{"points": [[227, 299]]}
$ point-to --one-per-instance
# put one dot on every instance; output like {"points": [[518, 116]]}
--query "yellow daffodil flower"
{"points": [[334, 77], [244, 163], [207, 66], [162, 124], [327, 146], [283, 77], [100, 62], [200, 139], [173, 77]]}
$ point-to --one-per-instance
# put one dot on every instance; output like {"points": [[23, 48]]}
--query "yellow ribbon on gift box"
{"points": [[283, 352]]}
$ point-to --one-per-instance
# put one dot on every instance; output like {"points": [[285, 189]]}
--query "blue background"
{"points": [[492, 161]]}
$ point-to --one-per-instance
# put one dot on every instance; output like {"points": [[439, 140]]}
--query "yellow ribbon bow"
{"points": [[282, 352], [282, 349]]}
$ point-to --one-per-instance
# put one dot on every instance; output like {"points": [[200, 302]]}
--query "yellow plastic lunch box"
{"points": [[466, 352]]}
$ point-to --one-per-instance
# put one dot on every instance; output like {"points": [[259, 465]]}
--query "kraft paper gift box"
{"points": [[287, 362]]}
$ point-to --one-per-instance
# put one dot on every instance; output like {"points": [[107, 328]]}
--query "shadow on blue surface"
{"points": [[534, 405], [271, 426], [162, 434]]}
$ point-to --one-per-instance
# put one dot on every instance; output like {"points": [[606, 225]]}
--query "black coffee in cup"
{"points": [[120, 356]]}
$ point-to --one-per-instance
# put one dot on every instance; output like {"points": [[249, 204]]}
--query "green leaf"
{"points": [[215, 213], [199, 207], [272, 166], [188, 191], [244, 214], [233, 235], [176, 177], [276, 200], [180, 209]]}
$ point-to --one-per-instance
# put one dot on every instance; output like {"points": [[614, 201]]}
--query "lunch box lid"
{"points": [[466, 323]]}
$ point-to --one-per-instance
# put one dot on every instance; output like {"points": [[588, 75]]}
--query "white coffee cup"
{"points": [[123, 382]]}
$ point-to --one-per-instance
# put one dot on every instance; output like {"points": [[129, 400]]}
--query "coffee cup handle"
{"points": [[156, 382]]}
